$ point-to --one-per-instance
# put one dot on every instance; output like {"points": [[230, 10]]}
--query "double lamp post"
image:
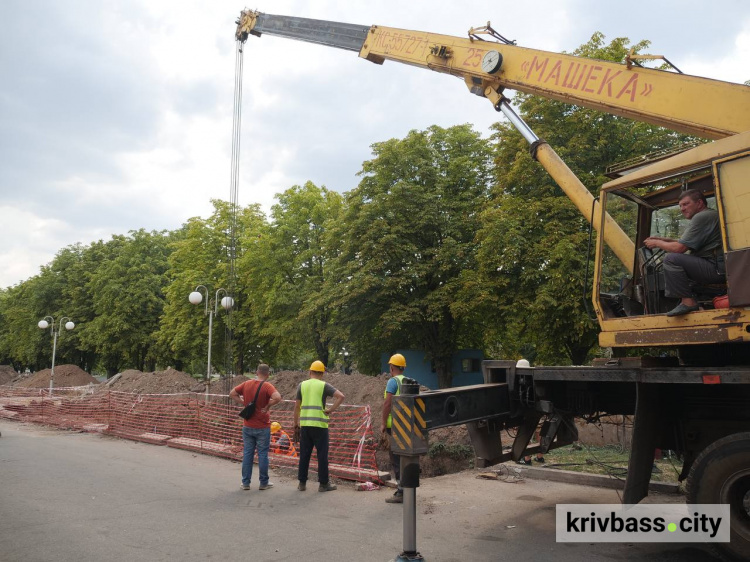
{"points": [[211, 309], [43, 324]]}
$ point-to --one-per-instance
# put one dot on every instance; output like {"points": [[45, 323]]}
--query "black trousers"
{"points": [[310, 437], [395, 462], [680, 269]]}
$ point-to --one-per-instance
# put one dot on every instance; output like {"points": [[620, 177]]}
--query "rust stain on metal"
{"points": [[697, 335]]}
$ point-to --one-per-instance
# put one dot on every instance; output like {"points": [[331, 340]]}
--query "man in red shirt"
{"points": [[256, 431]]}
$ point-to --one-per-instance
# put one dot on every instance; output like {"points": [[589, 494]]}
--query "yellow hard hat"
{"points": [[398, 360], [318, 367], [275, 426]]}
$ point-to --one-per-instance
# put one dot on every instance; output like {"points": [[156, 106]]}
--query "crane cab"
{"points": [[629, 299]]}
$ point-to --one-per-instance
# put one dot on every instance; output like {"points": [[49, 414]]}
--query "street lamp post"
{"points": [[345, 354], [211, 309], [43, 324]]}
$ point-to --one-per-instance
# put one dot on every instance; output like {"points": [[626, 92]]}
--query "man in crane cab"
{"points": [[704, 263]]}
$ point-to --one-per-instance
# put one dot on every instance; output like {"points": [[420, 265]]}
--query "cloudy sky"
{"points": [[117, 115]]}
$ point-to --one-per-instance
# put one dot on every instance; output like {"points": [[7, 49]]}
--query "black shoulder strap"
{"points": [[257, 392]]}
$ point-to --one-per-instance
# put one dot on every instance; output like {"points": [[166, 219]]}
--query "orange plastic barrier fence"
{"points": [[192, 422]]}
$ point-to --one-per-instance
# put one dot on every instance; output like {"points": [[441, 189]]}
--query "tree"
{"points": [[408, 232], [128, 296], [201, 256], [285, 268], [532, 241]]}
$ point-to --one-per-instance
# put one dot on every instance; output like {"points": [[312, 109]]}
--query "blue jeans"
{"points": [[252, 438]]}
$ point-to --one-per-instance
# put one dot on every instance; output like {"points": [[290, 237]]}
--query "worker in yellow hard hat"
{"points": [[311, 423], [281, 444], [396, 367]]}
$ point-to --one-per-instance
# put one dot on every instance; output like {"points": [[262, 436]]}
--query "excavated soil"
{"points": [[7, 374], [450, 447], [169, 381], [65, 375]]}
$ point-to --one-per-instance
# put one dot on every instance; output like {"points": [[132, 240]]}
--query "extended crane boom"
{"points": [[377, 43], [706, 108]]}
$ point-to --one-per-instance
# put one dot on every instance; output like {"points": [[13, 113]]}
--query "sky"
{"points": [[117, 115]]}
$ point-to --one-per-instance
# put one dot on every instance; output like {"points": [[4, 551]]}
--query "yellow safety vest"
{"points": [[312, 414], [399, 381]]}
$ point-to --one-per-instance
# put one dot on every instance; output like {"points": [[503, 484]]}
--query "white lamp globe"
{"points": [[195, 297], [43, 324], [227, 303], [69, 325]]}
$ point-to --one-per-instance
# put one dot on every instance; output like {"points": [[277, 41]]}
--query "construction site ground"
{"points": [[80, 496]]}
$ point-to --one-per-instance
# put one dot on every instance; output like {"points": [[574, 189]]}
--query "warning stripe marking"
{"points": [[419, 415], [404, 427]]}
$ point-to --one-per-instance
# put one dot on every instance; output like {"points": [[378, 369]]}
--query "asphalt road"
{"points": [[68, 496]]}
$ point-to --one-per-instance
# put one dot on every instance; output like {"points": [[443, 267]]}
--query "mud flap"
{"points": [[646, 427]]}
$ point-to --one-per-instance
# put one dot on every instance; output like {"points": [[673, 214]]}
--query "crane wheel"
{"points": [[721, 474]]}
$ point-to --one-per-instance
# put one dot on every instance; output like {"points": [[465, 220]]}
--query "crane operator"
{"points": [[705, 262]]}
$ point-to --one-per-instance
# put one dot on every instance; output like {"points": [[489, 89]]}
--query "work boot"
{"points": [[327, 487], [302, 486], [397, 497]]}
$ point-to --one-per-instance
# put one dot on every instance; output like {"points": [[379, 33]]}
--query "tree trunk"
{"points": [[443, 370]]}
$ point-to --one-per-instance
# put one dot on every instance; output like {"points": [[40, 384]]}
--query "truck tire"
{"points": [[721, 474]]}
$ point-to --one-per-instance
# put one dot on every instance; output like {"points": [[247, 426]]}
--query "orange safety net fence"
{"points": [[207, 425]]}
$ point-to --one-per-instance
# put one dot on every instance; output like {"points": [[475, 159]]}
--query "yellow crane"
{"points": [[694, 403]]}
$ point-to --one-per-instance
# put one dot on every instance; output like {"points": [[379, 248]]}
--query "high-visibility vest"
{"points": [[312, 414], [399, 380], [281, 444]]}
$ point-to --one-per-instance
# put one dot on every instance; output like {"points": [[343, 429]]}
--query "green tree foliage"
{"points": [[201, 256], [408, 232], [284, 269], [127, 294], [533, 240]]}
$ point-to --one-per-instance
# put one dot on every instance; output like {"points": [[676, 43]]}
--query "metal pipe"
{"points": [[410, 520], [54, 350], [208, 368]]}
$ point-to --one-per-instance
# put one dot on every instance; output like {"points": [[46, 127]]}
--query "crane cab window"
{"points": [[733, 188]]}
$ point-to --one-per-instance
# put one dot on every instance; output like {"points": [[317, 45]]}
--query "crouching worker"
{"points": [[281, 444]]}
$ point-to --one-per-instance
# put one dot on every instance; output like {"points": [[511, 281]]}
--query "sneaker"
{"points": [[527, 462], [540, 460], [397, 497], [681, 309], [265, 486], [302, 486], [245, 486], [327, 487]]}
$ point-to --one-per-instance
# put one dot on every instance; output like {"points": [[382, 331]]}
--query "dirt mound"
{"points": [[358, 389], [169, 381], [7, 374], [65, 375]]}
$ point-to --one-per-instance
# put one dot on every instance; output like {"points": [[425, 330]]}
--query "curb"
{"points": [[586, 479]]}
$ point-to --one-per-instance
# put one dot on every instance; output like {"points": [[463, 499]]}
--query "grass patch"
{"points": [[610, 460]]}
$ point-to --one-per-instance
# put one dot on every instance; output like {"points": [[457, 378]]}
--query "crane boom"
{"points": [[706, 108]]}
